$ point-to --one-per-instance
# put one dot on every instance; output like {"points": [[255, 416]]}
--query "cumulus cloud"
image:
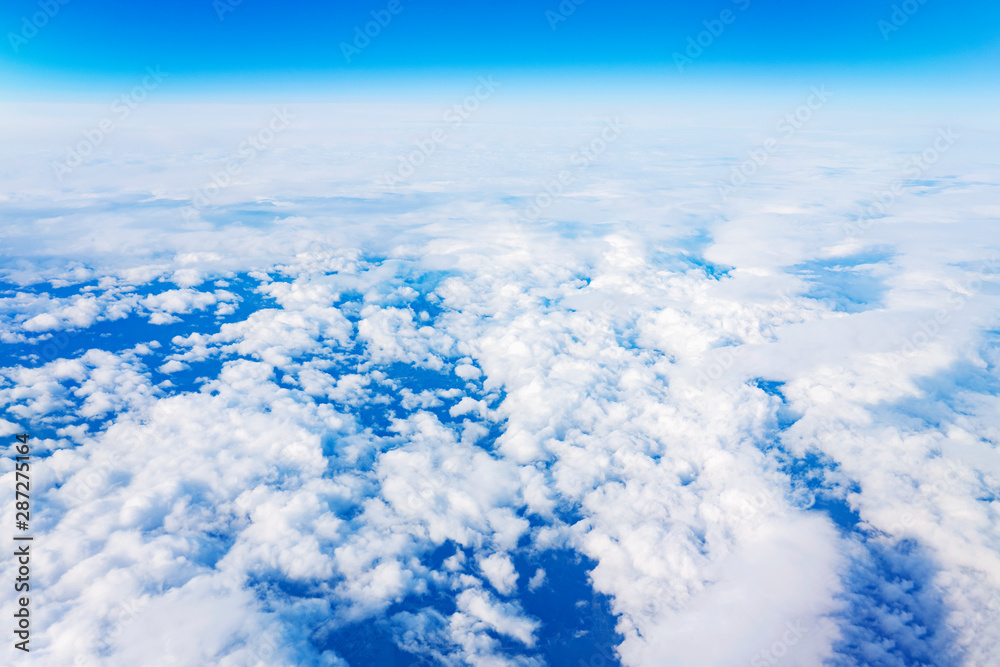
{"points": [[499, 571], [164, 305], [765, 441]]}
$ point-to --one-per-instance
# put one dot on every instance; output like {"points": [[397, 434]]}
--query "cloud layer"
{"points": [[325, 411]]}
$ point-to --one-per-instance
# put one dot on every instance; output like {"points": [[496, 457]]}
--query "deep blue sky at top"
{"points": [[265, 40]]}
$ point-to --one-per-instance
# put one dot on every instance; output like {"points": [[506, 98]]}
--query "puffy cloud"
{"points": [[391, 335], [276, 336], [500, 572], [769, 441], [163, 306], [478, 606]]}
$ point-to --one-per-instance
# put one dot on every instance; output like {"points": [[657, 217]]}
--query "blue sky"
{"points": [[256, 43]]}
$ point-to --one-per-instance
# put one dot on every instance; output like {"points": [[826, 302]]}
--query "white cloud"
{"points": [[502, 617], [500, 572], [614, 361], [164, 306], [537, 579]]}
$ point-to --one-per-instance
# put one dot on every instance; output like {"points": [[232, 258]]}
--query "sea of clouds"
{"points": [[742, 384]]}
